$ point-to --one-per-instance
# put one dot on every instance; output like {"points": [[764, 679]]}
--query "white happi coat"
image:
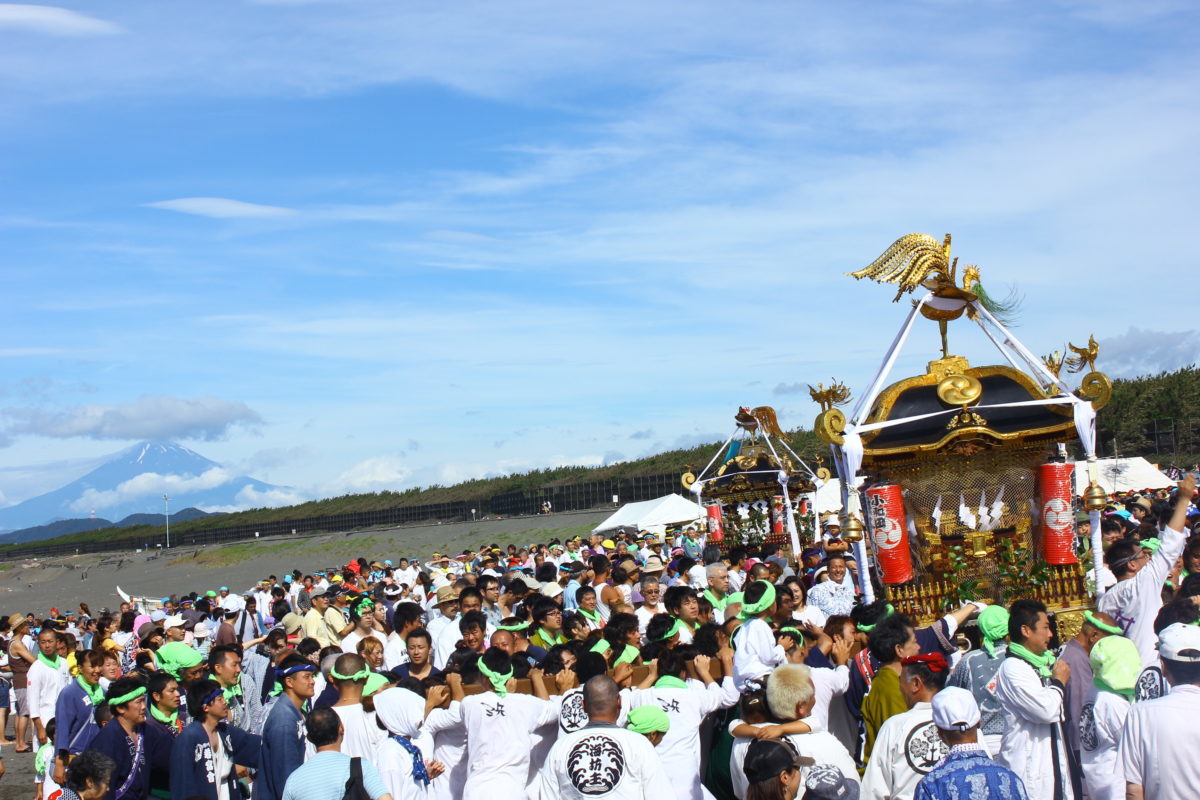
{"points": [[687, 708], [1100, 724], [606, 762], [1135, 602], [906, 750], [499, 740], [755, 652], [1033, 711]]}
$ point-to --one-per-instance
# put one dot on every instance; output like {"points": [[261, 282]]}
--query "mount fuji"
{"points": [[135, 480]]}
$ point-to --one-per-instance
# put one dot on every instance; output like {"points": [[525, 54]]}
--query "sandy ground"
{"points": [[37, 585]]}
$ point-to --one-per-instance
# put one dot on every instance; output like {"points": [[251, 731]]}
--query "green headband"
{"points": [[499, 682], [868, 628], [1101, 624], [766, 601], [518, 626], [795, 632], [648, 719], [602, 646], [674, 629], [361, 675], [125, 698]]}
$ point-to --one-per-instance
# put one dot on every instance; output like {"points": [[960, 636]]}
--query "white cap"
{"points": [[551, 589], [174, 621], [955, 709], [201, 630], [1179, 642]]}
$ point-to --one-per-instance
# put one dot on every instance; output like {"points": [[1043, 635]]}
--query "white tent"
{"points": [[1122, 475], [653, 515]]}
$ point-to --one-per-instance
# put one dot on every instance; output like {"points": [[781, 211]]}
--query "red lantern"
{"points": [[1058, 515], [716, 532], [889, 530], [777, 514]]}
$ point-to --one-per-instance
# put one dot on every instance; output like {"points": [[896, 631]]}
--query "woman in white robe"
{"points": [[401, 763]]}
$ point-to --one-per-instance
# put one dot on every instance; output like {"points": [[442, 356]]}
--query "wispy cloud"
{"points": [[1144, 352], [148, 417], [222, 208], [53, 21]]}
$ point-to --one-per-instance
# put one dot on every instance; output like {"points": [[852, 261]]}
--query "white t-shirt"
{"points": [[827, 684], [644, 616], [350, 643], [755, 652], [810, 614], [1158, 745], [363, 734]]}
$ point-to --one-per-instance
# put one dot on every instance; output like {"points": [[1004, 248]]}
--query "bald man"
{"points": [[608, 761]]}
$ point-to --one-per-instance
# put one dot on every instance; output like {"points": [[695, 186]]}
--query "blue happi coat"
{"points": [[283, 739], [113, 742], [968, 773], [193, 773]]}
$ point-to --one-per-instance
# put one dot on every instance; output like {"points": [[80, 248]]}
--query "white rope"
{"points": [[724, 448]]}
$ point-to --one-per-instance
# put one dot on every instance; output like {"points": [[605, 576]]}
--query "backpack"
{"points": [[355, 790]]}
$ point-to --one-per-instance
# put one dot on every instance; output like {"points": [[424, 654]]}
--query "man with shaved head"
{"points": [[602, 760]]}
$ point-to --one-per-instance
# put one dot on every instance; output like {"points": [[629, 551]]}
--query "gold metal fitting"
{"points": [[852, 528], [1094, 498]]}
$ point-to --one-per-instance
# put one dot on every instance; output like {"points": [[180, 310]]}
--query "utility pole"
{"points": [[167, 516]]}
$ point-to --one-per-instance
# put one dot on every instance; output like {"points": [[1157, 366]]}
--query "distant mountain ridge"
{"points": [[63, 527], [133, 482]]}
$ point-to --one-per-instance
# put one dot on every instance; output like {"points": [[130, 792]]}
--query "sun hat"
{"points": [[653, 564], [291, 622], [446, 594], [201, 631]]}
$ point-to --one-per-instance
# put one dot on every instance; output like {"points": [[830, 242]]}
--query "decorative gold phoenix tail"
{"points": [[909, 262]]}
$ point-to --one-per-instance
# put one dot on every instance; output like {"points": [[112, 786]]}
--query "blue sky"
{"points": [[357, 245]]}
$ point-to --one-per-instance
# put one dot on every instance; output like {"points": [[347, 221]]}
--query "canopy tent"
{"points": [[653, 515], [1119, 475]]}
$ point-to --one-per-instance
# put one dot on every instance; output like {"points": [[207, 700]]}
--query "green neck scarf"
{"points": [[1104, 687], [232, 692], [719, 605], [1041, 663], [669, 682], [499, 682], [551, 638], [92, 690], [171, 721], [594, 616], [49, 663]]}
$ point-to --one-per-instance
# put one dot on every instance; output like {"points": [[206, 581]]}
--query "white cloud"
{"points": [[1141, 352], [53, 21], [149, 417], [148, 484], [222, 208], [381, 473]]}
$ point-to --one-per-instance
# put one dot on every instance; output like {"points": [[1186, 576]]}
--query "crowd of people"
{"points": [[636, 666]]}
